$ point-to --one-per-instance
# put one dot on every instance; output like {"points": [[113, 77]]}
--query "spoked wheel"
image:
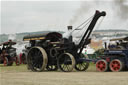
{"points": [[116, 65], [5, 61], [102, 65], [52, 67], [66, 62], [37, 59], [82, 65]]}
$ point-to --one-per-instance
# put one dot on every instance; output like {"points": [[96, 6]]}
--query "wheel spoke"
{"points": [[52, 67], [82, 65]]}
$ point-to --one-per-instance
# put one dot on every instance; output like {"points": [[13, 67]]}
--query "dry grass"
{"points": [[21, 76]]}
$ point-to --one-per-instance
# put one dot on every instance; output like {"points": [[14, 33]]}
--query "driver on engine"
{"points": [[68, 34]]}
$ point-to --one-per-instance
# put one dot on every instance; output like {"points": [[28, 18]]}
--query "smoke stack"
{"points": [[69, 27]]}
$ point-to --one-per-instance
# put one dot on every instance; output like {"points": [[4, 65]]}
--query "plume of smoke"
{"points": [[121, 8], [12, 37], [84, 8]]}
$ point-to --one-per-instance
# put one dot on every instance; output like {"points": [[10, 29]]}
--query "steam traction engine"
{"points": [[115, 57], [51, 51], [8, 53]]}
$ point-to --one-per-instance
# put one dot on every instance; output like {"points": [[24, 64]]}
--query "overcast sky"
{"points": [[28, 16]]}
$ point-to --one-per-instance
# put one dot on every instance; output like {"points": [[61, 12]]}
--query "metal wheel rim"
{"points": [[67, 64], [39, 63], [101, 66], [116, 65], [82, 66]]}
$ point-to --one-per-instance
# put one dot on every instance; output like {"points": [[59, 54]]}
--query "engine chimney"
{"points": [[69, 27]]}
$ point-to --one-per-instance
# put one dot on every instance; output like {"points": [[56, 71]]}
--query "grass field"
{"points": [[23, 68], [19, 75]]}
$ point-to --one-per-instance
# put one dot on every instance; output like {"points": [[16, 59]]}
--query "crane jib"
{"points": [[89, 30]]}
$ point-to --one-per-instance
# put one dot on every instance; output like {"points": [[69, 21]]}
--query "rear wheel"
{"points": [[66, 62], [116, 65], [37, 59], [102, 65]]}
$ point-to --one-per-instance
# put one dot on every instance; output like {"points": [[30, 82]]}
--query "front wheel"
{"points": [[102, 65], [66, 62], [82, 65]]}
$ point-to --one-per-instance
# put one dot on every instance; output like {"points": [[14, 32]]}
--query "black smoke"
{"points": [[119, 9]]}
